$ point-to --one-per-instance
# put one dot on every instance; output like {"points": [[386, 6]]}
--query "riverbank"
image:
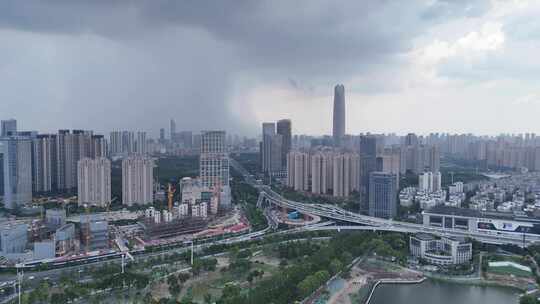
{"points": [[481, 282], [383, 281]]}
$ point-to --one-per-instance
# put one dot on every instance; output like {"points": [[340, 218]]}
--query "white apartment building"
{"points": [[183, 210], [137, 180], [214, 160], [429, 181], [298, 170], [94, 181]]}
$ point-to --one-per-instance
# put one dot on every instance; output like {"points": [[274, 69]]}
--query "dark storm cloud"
{"points": [[183, 58]]}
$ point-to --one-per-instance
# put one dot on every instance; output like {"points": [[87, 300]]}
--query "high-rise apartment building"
{"points": [[298, 170], [321, 172], [382, 195], [17, 168], [338, 131], [124, 143], [141, 148], [94, 181], [8, 127], [411, 140], [417, 157], [429, 181], [99, 146], [115, 143], [214, 159], [346, 173], [284, 128], [137, 180]]}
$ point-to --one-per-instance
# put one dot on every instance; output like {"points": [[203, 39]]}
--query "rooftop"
{"points": [[424, 236], [465, 212]]}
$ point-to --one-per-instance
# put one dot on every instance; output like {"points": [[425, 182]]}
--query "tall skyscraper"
{"points": [[8, 126], [214, 159], [94, 181], [172, 129], [137, 180], [368, 163], [382, 195], [17, 167], [64, 154], [44, 166], [339, 114], [162, 134], [284, 129], [268, 131]]}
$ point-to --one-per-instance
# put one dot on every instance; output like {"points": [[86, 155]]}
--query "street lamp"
{"points": [[20, 274]]}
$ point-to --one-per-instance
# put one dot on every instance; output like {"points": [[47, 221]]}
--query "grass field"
{"points": [[509, 270]]}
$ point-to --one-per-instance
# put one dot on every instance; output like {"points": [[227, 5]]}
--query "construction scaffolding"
{"points": [[173, 228]]}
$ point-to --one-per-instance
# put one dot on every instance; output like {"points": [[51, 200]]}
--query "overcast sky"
{"points": [[407, 66]]}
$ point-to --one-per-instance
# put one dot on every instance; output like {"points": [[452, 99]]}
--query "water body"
{"points": [[435, 292]]}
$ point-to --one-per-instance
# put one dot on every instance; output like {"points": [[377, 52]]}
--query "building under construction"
{"points": [[175, 227], [94, 233]]}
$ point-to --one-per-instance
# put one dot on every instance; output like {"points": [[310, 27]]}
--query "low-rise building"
{"points": [[55, 218], [65, 239], [44, 250], [440, 251]]}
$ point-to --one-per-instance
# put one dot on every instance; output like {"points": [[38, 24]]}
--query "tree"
{"points": [[183, 277], [335, 266], [208, 298], [231, 290], [528, 299]]}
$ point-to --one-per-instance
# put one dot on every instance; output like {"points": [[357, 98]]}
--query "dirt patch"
{"points": [[362, 274]]}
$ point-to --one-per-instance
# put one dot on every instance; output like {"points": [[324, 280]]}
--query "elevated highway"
{"points": [[368, 223]]}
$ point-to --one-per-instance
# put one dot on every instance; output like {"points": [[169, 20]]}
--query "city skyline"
{"points": [[463, 63]]}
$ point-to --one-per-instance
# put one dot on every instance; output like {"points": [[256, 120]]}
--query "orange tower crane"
{"points": [[170, 194]]}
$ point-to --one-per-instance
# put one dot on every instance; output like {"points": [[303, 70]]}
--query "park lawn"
{"points": [[386, 266], [213, 282], [509, 270]]}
